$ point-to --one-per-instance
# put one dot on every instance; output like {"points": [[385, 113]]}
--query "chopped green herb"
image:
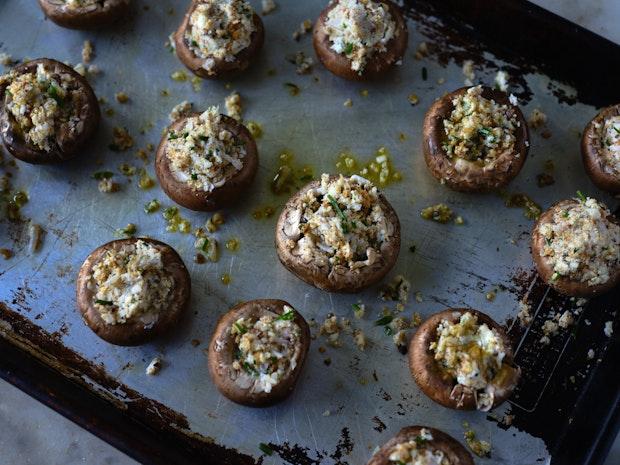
{"points": [[172, 135], [388, 330], [616, 129], [343, 218], [104, 302], [128, 230], [170, 212], [152, 206], [286, 316], [293, 89], [581, 196], [194, 43], [240, 328], [384, 320], [99, 175], [250, 369], [194, 176], [565, 213], [348, 48], [420, 441], [265, 448], [52, 91]]}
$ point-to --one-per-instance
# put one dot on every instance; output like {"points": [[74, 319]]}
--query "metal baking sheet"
{"points": [[338, 413]]}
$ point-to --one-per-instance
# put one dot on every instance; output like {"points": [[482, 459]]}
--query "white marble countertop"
{"points": [[33, 434]]}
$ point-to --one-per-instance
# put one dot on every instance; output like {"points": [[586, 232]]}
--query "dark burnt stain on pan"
{"points": [[73, 368], [532, 40]]}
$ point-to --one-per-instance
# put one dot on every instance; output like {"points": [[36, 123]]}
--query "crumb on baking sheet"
{"points": [[501, 81], [179, 76], [268, 6], [396, 290], [525, 313], [35, 236], [609, 328], [107, 186], [537, 119], [233, 105], [421, 51], [121, 97], [348, 103], [468, 72], [154, 367], [303, 29], [477, 446], [122, 140], [6, 253], [303, 64], [6, 59], [88, 51]]}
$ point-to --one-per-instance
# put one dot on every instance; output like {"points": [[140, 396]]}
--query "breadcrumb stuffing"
{"points": [[122, 140], [108, 186], [178, 111], [468, 72], [121, 97], [304, 28]]}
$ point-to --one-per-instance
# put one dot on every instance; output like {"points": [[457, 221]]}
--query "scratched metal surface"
{"points": [[453, 265]]}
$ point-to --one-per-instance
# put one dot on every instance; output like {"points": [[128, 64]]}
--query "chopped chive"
{"points": [[293, 89], [384, 320], [286, 316], [99, 175], [151, 206], [52, 91], [343, 223], [250, 369], [265, 448], [348, 48], [205, 245], [240, 328], [104, 302], [581, 196], [172, 135], [388, 330]]}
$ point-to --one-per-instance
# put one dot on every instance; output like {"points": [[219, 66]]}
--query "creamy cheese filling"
{"points": [[359, 29], [581, 243], [203, 153], [219, 30], [40, 103], [610, 136], [470, 352], [479, 130], [416, 451], [130, 282], [341, 222], [266, 348], [77, 4]]}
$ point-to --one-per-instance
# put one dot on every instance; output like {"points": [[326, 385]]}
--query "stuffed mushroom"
{"points": [[131, 290], [206, 161], [84, 14], [218, 38], [600, 149], [421, 445], [339, 234], [463, 360], [475, 139], [359, 40], [257, 352], [576, 247], [49, 112]]}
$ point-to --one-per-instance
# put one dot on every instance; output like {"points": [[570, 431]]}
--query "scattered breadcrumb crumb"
{"points": [[304, 28], [121, 97], [477, 446], [416, 320], [468, 72], [609, 328], [348, 103], [590, 354], [233, 105], [513, 99], [303, 64], [35, 233], [537, 119], [178, 111], [80, 69], [107, 186], [6, 59], [359, 310], [154, 367], [88, 51], [421, 51], [360, 339], [413, 99], [501, 80], [268, 6], [122, 139]]}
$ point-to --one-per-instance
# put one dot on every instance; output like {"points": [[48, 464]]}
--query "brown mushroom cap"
{"points": [[439, 385], [475, 178], [564, 284], [452, 449], [222, 68], [591, 146], [337, 278], [220, 197], [222, 348], [378, 63], [86, 17], [135, 332], [66, 146]]}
